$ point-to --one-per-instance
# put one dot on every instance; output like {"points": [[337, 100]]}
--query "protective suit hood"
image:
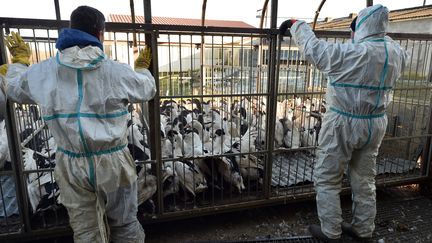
{"points": [[372, 22], [89, 57], [73, 37], [79, 50]]}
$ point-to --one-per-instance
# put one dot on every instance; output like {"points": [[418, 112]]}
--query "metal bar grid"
{"points": [[228, 55], [128, 27], [11, 223], [296, 239], [229, 72]]}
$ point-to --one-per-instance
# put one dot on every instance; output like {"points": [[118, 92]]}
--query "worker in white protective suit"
{"points": [[83, 97], [361, 76]]}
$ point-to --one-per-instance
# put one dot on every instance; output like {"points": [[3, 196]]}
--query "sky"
{"points": [[241, 10]]}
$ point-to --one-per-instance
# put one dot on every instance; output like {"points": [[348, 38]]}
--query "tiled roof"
{"points": [[120, 18], [422, 12]]}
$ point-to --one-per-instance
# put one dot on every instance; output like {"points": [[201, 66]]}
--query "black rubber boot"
{"points": [[316, 232], [348, 230]]}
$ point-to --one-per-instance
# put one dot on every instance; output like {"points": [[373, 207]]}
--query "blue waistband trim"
{"points": [[372, 40], [91, 154], [86, 115], [359, 86], [371, 116], [377, 40]]}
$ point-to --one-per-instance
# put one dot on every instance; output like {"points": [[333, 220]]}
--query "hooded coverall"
{"points": [[83, 97], [2, 98], [361, 76]]}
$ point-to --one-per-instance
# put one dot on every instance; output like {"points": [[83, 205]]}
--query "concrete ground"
{"points": [[403, 216]]}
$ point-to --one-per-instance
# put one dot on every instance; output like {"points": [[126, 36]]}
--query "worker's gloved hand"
{"points": [[144, 58], [3, 69], [286, 25], [19, 50]]}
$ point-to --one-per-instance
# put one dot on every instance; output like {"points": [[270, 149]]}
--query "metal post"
{"points": [[203, 12], [272, 100], [58, 16], [263, 13], [154, 110], [317, 13], [426, 166], [15, 152], [57, 9], [410, 133], [134, 41], [369, 3], [260, 49], [202, 54]]}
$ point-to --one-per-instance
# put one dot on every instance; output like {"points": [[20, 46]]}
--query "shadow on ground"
{"points": [[403, 216]]}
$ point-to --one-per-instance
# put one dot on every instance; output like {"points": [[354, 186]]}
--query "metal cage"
{"points": [[211, 140]]}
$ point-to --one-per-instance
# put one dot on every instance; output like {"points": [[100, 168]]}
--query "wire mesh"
{"points": [[214, 110], [213, 116], [298, 239]]}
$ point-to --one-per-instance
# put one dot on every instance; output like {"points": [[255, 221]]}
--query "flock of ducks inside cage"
{"points": [[204, 144], [216, 143]]}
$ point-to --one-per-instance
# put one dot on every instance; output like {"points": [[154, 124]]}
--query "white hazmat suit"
{"points": [[2, 98], [83, 97], [360, 78]]}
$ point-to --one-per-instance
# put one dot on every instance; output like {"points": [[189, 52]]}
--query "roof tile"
{"points": [[422, 12], [121, 18]]}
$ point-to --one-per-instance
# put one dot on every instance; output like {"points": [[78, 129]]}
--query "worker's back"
{"points": [[361, 74], [362, 84], [83, 96], [370, 66], [75, 101]]}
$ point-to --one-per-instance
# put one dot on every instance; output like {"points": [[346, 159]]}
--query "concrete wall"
{"points": [[423, 26]]}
